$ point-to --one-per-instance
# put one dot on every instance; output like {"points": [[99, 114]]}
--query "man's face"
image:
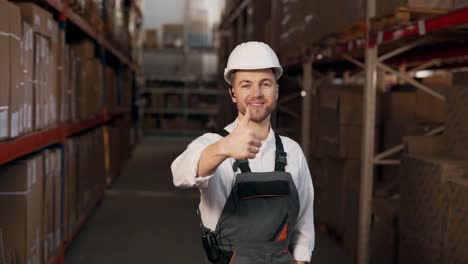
{"points": [[258, 90]]}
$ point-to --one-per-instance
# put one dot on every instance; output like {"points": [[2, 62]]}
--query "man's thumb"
{"points": [[246, 118]]}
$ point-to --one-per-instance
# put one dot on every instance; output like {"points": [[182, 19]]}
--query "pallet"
{"points": [[402, 16]]}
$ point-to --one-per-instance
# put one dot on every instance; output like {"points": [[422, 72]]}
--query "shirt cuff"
{"points": [[302, 253], [199, 182]]}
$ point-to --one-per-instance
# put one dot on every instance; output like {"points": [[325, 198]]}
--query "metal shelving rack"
{"points": [[400, 45], [16, 148], [184, 110]]}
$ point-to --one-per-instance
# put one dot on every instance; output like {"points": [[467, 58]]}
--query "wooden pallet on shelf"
{"points": [[402, 16]]}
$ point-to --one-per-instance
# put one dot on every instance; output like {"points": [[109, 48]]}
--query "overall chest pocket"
{"points": [[262, 209]]}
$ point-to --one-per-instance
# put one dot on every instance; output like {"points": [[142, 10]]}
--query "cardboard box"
{"points": [[57, 202], [459, 4], [28, 69], [75, 67], [352, 172], [340, 174], [401, 105], [16, 78], [85, 50], [41, 20], [21, 196], [423, 206], [414, 249], [111, 90], [341, 141], [4, 73], [384, 230], [341, 104], [396, 130], [456, 132], [386, 7], [40, 79], [151, 39], [424, 145], [429, 107], [173, 35], [70, 189], [52, 74], [457, 226], [47, 220]]}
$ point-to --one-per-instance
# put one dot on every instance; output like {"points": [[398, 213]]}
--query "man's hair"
{"points": [[233, 74]]}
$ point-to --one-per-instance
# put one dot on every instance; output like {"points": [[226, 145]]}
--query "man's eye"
{"points": [[245, 86], [267, 84]]}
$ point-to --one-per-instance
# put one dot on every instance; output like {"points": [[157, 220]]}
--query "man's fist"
{"points": [[243, 142]]}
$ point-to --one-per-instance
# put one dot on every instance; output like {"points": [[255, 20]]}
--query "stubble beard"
{"points": [[257, 115]]}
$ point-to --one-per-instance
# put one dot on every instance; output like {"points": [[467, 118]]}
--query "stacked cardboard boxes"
{"points": [[424, 207], [34, 185], [336, 149], [45, 38], [111, 90], [456, 191], [117, 147], [52, 209], [21, 204], [11, 72], [84, 179], [456, 132]]}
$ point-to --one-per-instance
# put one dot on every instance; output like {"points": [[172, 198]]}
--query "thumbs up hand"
{"points": [[243, 142]]}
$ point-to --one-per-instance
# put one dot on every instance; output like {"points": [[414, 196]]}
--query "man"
{"points": [[256, 189]]}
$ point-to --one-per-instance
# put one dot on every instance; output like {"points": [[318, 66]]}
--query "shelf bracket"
{"points": [[411, 81]]}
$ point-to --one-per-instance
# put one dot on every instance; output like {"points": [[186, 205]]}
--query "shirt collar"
{"points": [[269, 139]]}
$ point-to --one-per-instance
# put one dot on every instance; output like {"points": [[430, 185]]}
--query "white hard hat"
{"points": [[252, 55]]}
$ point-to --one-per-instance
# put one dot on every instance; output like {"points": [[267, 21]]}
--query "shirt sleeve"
{"points": [[303, 239], [185, 167]]}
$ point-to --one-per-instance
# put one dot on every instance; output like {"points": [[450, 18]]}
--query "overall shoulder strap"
{"points": [[243, 165], [280, 157]]}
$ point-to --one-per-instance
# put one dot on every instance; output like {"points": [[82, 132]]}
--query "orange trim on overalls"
{"points": [[284, 234]]}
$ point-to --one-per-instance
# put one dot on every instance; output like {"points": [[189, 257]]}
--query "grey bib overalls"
{"points": [[260, 215]]}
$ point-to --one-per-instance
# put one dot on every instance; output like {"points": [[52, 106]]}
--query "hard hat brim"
{"points": [[277, 71]]}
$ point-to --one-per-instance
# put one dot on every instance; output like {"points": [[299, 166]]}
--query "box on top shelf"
{"points": [[62, 77], [4, 73], [16, 74], [28, 69], [21, 187], [41, 20]]}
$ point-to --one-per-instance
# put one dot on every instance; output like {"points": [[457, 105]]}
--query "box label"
{"points": [[34, 173], [37, 20], [21, 120], [14, 124], [3, 122], [29, 117]]}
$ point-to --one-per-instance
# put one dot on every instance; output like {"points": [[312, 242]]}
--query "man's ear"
{"points": [[233, 96]]}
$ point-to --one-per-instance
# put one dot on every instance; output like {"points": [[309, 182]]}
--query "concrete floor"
{"points": [[144, 219]]}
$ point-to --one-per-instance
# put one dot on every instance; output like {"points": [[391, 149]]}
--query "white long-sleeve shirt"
{"points": [[215, 188]]}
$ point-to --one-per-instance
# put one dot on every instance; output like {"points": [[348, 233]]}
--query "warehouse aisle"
{"points": [[144, 219]]}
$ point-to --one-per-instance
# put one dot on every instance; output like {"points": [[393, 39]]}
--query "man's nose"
{"points": [[257, 91]]}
